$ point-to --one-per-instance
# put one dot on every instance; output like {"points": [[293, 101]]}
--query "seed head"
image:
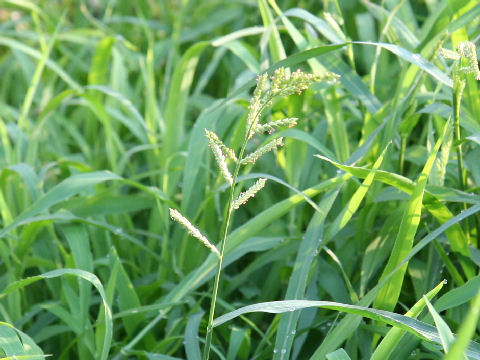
{"points": [[271, 126], [192, 230], [251, 192], [253, 157], [226, 150], [220, 159]]}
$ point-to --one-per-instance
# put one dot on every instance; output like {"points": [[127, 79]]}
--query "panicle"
{"points": [[220, 159], [226, 150], [284, 84], [253, 157], [271, 126], [467, 50], [192, 230], [251, 191], [257, 101], [449, 54]]}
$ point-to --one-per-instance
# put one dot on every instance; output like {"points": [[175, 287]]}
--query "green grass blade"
{"points": [[401, 30], [352, 82], [388, 343], [105, 348], [196, 149], [459, 348], [236, 340], [275, 43], [354, 203], [283, 183], [192, 346], [416, 327], [459, 295], [400, 182], [249, 31], [66, 189], [79, 243], [299, 279], [388, 296], [136, 123], [339, 354], [455, 234], [242, 52], [16, 344], [23, 122], [38, 55], [415, 59], [29, 177], [182, 79], [321, 25], [298, 38], [444, 332], [100, 66], [348, 325], [336, 124], [307, 139], [127, 297]]}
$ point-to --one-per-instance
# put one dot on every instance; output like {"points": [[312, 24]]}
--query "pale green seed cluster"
{"points": [[253, 157], [281, 83], [225, 149], [285, 84], [192, 230], [251, 191], [219, 158], [465, 50], [449, 54], [258, 101], [271, 126]]}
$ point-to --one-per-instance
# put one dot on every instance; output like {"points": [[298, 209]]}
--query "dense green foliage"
{"points": [[371, 203]]}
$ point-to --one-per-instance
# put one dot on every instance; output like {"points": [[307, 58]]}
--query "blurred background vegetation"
{"points": [[103, 106]]}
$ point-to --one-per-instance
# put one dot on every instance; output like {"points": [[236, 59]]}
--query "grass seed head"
{"points": [[271, 126], [192, 230], [220, 159], [226, 150], [251, 192], [253, 157]]}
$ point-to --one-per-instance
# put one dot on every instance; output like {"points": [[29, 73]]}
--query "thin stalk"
{"points": [[282, 85], [225, 226], [208, 340], [458, 87], [403, 149]]}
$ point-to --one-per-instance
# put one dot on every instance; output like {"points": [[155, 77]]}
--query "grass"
{"points": [[363, 242]]}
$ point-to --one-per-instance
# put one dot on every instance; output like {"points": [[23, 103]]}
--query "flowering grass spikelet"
{"points": [[257, 102], [225, 149], [449, 54], [271, 126], [281, 84], [192, 230], [220, 159], [284, 84], [467, 50], [251, 191], [253, 157]]}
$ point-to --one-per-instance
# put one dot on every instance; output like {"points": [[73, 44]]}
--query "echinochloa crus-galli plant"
{"points": [[281, 84]]}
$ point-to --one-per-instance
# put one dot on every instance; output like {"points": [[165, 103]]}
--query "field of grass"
{"points": [[363, 242]]}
